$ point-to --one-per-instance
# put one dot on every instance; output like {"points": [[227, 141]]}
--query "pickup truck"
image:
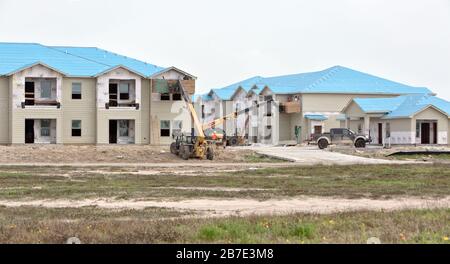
{"points": [[340, 136]]}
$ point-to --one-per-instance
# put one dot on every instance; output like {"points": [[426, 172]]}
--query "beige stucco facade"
{"points": [[280, 127], [57, 114], [400, 131]]}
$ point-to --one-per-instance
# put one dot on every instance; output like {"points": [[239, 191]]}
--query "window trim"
{"points": [[168, 130], [80, 93], [73, 128], [123, 121], [166, 95], [41, 89], [128, 84], [175, 128], [46, 127]]}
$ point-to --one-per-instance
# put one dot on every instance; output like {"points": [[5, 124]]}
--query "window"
{"points": [[269, 109], [45, 128], [76, 90], [388, 130], [123, 128], [124, 91], [76, 128], [417, 129], [176, 97], [165, 97], [359, 128], [46, 89], [203, 111], [177, 126], [165, 128]]}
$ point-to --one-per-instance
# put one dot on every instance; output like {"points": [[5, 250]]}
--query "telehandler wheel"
{"points": [[173, 148], [233, 141], [210, 153], [323, 143], [360, 143], [186, 153]]}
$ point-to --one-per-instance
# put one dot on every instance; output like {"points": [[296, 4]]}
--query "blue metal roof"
{"points": [[71, 61], [402, 106], [112, 59], [379, 105], [336, 79], [316, 117], [225, 93]]}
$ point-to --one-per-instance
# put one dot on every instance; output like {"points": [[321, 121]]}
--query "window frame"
{"points": [[166, 97], [128, 84], [49, 87], [175, 128], [177, 98], [48, 128], [122, 128], [166, 129], [75, 129], [80, 92]]}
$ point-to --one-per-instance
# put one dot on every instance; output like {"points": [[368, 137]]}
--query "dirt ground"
{"points": [[110, 154], [243, 207]]}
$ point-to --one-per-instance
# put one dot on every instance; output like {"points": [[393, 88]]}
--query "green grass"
{"points": [[93, 225], [355, 181], [431, 157]]}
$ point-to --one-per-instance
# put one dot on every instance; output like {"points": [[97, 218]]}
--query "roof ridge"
{"points": [[74, 55], [124, 56], [330, 72]]}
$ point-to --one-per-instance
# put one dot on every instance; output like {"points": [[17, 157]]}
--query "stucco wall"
{"points": [[170, 110], [330, 102], [18, 115], [116, 74], [442, 120], [103, 117], [4, 110], [83, 109]]}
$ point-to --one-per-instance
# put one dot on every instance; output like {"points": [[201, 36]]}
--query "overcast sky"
{"points": [[222, 42]]}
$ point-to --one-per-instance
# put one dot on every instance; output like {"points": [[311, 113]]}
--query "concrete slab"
{"points": [[311, 155]]}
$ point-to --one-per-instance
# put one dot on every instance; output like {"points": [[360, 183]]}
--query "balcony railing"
{"points": [[40, 102], [113, 104]]}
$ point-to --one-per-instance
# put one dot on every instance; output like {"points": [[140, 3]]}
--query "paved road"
{"points": [[313, 155]]}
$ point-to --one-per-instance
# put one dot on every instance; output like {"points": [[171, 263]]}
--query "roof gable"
{"points": [[402, 106]]}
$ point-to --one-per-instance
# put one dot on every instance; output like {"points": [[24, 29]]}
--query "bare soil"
{"points": [[112, 154], [242, 207]]}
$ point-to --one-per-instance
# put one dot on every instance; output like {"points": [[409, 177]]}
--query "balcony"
{"points": [[40, 92], [122, 94], [290, 107]]}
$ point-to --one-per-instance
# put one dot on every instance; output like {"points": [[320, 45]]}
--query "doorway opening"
{"points": [[29, 131]]}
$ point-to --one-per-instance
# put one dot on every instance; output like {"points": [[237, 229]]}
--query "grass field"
{"points": [[436, 157], [373, 181], [28, 224], [93, 225]]}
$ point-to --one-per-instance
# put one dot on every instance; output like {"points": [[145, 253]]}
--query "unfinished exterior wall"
{"points": [[83, 109], [432, 114], [19, 114], [116, 74], [118, 113], [4, 110], [239, 103], [331, 105], [402, 131], [145, 111]]}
